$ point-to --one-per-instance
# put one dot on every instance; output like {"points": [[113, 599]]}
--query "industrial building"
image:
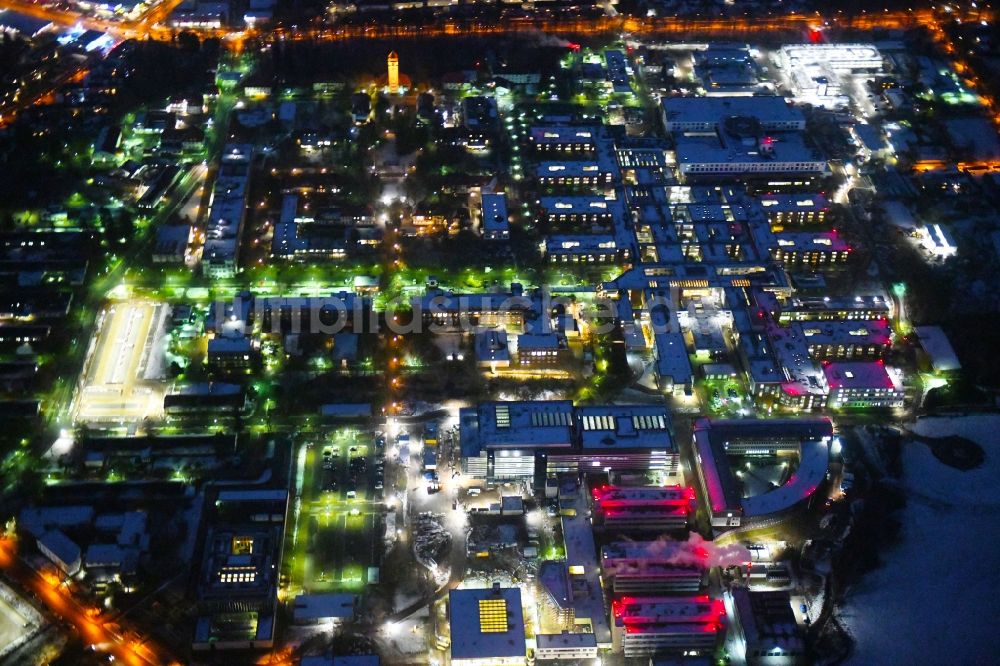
{"points": [[228, 212], [487, 627], [707, 114], [529, 440], [550, 647], [564, 139]]}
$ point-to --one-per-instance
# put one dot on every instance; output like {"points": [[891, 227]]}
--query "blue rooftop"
{"points": [[478, 618]]}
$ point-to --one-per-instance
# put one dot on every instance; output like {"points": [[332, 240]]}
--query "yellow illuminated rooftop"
{"points": [[492, 616]]}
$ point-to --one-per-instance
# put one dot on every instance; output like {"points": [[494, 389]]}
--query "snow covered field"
{"points": [[935, 600]]}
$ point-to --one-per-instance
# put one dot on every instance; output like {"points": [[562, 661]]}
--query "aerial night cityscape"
{"points": [[455, 332]]}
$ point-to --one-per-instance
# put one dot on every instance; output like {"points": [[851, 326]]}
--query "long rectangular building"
{"points": [[487, 627], [644, 626], [228, 211], [550, 647], [705, 114], [662, 566], [738, 152], [641, 508], [650, 567], [566, 139], [523, 440]]}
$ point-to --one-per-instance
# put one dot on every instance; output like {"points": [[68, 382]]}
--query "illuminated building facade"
{"points": [[393, 64]]}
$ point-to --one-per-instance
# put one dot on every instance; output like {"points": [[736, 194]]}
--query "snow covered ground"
{"points": [[935, 600]]}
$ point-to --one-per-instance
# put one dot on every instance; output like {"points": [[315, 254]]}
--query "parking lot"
{"points": [[338, 530]]}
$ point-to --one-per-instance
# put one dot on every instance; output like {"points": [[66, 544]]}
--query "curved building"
{"points": [[715, 442]]}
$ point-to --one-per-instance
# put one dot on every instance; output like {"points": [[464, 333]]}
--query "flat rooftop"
{"points": [[772, 111], [937, 346], [809, 241], [563, 134], [438, 301], [658, 550], [565, 640], [802, 374], [786, 148], [794, 203], [494, 209], [572, 169], [710, 440], [578, 536], [538, 341], [625, 426], [491, 345], [580, 243], [553, 575], [672, 357], [814, 460], [612, 496], [867, 332], [324, 606], [486, 623], [767, 619], [664, 611], [579, 205], [18, 620], [858, 375], [529, 424], [839, 57]]}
